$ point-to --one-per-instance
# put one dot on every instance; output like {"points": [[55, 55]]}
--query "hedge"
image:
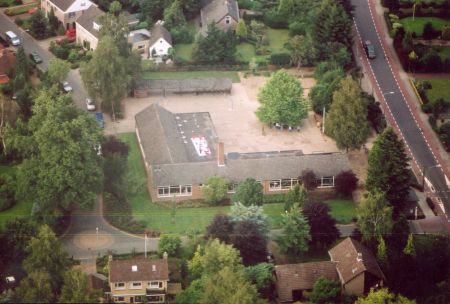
{"points": [[280, 59]]}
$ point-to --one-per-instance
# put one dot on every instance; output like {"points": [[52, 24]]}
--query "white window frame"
{"points": [[183, 190], [289, 184], [155, 285], [132, 285], [277, 183], [324, 184], [227, 19], [117, 299], [231, 188], [117, 287]]}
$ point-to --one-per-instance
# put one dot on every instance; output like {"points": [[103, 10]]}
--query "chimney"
{"points": [[134, 268], [220, 155], [153, 267], [165, 255]]}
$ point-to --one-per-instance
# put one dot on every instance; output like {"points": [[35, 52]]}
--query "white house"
{"points": [[160, 41], [67, 11]]}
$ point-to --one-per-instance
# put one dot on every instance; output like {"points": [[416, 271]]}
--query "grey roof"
{"points": [[86, 20], [216, 10], [139, 35], [159, 31], [63, 4], [190, 85]]}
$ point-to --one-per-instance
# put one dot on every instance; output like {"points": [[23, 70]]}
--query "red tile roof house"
{"points": [[351, 263], [7, 64]]}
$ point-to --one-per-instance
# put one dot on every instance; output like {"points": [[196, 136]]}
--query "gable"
{"points": [[79, 5]]}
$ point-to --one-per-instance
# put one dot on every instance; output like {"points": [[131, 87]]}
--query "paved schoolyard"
{"points": [[234, 118]]}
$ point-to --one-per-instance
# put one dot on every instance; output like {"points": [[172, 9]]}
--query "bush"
{"points": [[170, 243], [430, 61], [215, 189], [297, 28], [309, 179], [429, 32], [181, 35], [432, 122], [444, 135], [118, 214], [346, 182], [275, 20], [280, 59], [249, 192], [19, 21]]}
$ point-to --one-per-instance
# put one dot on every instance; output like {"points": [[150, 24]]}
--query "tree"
{"points": [[346, 182], [173, 15], [429, 32], [261, 275], [302, 50], [192, 294], [347, 119], [36, 288], [325, 291], [15, 237], [388, 168], [169, 243], [218, 46], [445, 32], [115, 155], [220, 228], [322, 226], [115, 7], [374, 216], [295, 232], [321, 94], [409, 248], [21, 83], [61, 166], [38, 24], [240, 213], [383, 296], [9, 112], [309, 179], [46, 254], [241, 30], [295, 195], [58, 70], [76, 288], [53, 21], [249, 192], [282, 100], [247, 238], [215, 189], [382, 255], [105, 77]]}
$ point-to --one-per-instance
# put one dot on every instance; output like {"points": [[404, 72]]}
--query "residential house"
{"points": [[181, 151], [139, 40], [294, 281], [7, 63], [138, 280], [67, 11], [160, 41], [357, 267], [223, 13], [88, 28]]}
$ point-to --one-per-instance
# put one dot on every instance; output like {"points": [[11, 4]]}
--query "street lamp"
{"points": [[425, 169]]}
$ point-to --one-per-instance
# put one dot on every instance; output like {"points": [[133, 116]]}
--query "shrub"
{"points": [[297, 28], [215, 189], [432, 122], [429, 32], [170, 243], [19, 21], [346, 182], [430, 61], [445, 32], [280, 59], [181, 35], [275, 20], [249, 192], [444, 135], [309, 179]]}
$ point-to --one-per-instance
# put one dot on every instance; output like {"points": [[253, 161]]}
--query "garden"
{"points": [[70, 51]]}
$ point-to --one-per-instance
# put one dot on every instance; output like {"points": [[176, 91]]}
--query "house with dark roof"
{"points": [[294, 281], [182, 150], [160, 41], [138, 280], [357, 267], [88, 28], [67, 11], [223, 13]]}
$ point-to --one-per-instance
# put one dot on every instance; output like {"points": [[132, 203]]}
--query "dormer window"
{"points": [[227, 19], [96, 26]]}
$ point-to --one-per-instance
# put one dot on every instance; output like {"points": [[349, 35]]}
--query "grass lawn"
{"points": [[445, 53], [245, 52], [277, 38], [184, 51], [418, 23], [440, 89], [192, 74], [342, 210]]}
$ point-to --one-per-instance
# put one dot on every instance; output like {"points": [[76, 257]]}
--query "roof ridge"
{"points": [[157, 110]]}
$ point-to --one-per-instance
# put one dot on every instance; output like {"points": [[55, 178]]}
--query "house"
{"points": [[160, 41], [88, 28], [7, 64], [138, 280], [67, 11], [223, 13], [139, 40], [181, 151], [357, 267], [294, 281]]}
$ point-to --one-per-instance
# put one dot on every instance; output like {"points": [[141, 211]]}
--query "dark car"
{"points": [[370, 49], [100, 119], [35, 57]]}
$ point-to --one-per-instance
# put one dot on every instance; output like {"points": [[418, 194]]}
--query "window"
{"points": [[167, 191], [155, 299], [71, 15], [288, 183], [135, 285], [163, 191], [231, 188], [174, 190], [119, 285], [119, 299], [274, 185], [138, 299], [227, 19], [327, 181], [155, 284], [186, 190]]}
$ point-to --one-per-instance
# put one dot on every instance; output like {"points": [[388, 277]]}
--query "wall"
{"points": [[222, 24], [84, 35], [161, 46]]}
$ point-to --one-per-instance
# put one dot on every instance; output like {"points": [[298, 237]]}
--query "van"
{"points": [[12, 38]]}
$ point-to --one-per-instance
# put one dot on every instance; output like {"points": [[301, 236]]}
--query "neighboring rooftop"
{"points": [[87, 19], [138, 35], [64, 5], [215, 10], [138, 270], [159, 31], [191, 85]]}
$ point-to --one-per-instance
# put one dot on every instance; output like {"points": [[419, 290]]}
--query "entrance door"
{"points": [[131, 299]]}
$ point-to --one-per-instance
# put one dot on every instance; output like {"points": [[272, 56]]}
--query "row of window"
{"points": [[181, 190], [140, 299], [138, 285]]}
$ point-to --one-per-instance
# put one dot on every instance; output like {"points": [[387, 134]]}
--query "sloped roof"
{"points": [[62, 4], [352, 259], [215, 10], [87, 19], [146, 270], [301, 277], [159, 31]]}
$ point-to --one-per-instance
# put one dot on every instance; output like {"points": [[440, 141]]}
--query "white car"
{"points": [[90, 104], [66, 87]]}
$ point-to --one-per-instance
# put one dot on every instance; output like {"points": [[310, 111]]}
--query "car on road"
{"points": [[35, 57], [100, 119], [12, 38], [90, 104], [66, 87], [370, 49]]}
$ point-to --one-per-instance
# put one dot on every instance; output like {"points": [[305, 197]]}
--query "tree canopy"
{"points": [[322, 226], [252, 245], [76, 288], [240, 213], [215, 189], [295, 234], [217, 46], [220, 228], [383, 296], [249, 192]]}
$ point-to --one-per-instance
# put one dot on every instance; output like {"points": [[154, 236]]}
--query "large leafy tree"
{"points": [[383, 296], [170, 244], [220, 228], [15, 237], [38, 24], [325, 291], [388, 168], [262, 276], [9, 112], [346, 182], [36, 288], [253, 213], [302, 50], [247, 238], [249, 192], [374, 216], [217, 46], [76, 288], [215, 189], [58, 70], [347, 122], [282, 100], [61, 166], [323, 227], [295, 195], [22, 84], [295, 234], [173, 15], [321, 94]]}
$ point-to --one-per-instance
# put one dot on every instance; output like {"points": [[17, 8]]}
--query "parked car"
{"points": [[100, 119], [370, 49], [12, 38], [90, 104], [66, 87], [35, 57]]}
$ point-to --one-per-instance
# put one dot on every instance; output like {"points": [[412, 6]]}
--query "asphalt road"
{"points": [[397, 104]]}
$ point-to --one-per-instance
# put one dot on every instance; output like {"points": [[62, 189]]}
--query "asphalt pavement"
{"points": [[391, 92]]}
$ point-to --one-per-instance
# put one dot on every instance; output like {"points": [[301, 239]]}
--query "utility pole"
{"points": [[323, 121]]}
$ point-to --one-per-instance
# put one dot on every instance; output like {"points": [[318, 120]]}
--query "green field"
{"points": [[184, 51], [277, 39], [419, 22], [342, 210], [440, 89], [245, 52], [191, 74]]}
